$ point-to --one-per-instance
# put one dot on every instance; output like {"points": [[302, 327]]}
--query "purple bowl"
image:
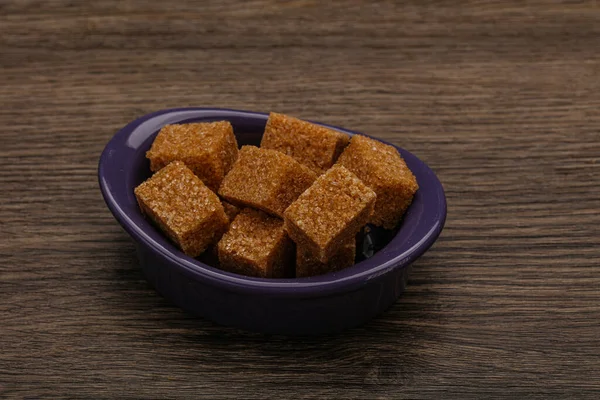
{"points": [[315, 305]]}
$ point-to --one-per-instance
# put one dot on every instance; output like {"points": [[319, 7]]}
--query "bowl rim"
{"points": [[351, 278]]}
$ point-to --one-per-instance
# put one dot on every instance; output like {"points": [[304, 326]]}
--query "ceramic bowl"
{"points": [[315, 305]]}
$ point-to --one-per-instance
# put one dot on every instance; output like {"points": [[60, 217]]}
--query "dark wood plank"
{"points": [[500, 98]]}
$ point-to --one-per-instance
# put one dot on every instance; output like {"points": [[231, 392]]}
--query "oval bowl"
{"points": [[316, 305]]}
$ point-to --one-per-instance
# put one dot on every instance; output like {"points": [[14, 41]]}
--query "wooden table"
{"points": [[500, 98]]}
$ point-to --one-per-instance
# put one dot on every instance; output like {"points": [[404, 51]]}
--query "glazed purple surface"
{"points": [[318, 304]]}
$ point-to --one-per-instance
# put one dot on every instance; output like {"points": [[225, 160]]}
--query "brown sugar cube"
{"points": [[256, 245], [265, 179], [188, 212], [310, 144], [230, 210], [207, 148], [329, 213], [381, 167], [307, 265]]}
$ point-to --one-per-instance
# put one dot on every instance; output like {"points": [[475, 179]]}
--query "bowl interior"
{"points": [[123, 166]]}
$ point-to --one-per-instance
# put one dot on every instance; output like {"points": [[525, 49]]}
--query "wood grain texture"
{"points": [[500, 98]]}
